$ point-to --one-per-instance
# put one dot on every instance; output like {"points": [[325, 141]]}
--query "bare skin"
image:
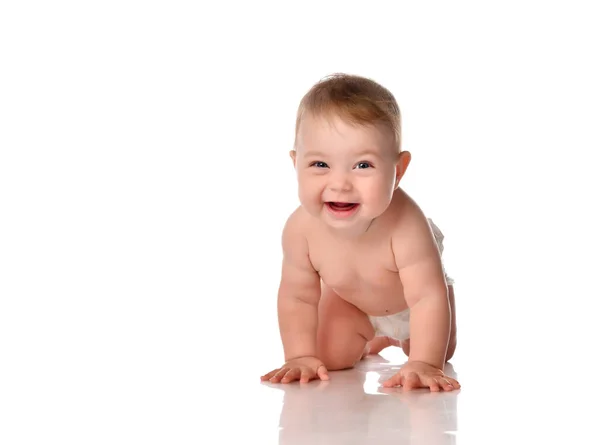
{"points": [[358, 280], [378, 344], [380, 260]]}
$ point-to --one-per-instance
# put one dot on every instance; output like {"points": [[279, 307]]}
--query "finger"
{"points": [[306, 375], [445, 383], [278, 375], [395, 380], [411, 381], [434, 386], [454, 383], [322, 372], [291, 375], [268, 375]]}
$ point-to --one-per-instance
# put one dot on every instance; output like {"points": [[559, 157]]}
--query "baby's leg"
{"points": [[343, 332], [452, 340]]}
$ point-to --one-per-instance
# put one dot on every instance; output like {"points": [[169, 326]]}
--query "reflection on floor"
{"points": [[353, 408]]}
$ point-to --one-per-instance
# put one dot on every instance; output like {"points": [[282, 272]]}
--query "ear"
{"points": [[293, 156], [401, 166]]}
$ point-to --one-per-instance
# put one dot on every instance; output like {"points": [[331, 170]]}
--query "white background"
{"points": [[145, 180]]}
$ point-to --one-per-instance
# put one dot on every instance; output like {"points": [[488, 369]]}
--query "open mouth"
{"points": [[342, 208], [342, 205]]}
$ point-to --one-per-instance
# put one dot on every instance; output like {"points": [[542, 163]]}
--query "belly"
{"points": [[368, 279], [375, 299]]}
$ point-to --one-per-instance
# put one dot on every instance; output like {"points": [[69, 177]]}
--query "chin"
{"points": [[344, 220]]}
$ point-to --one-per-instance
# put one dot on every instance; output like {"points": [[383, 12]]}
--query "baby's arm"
{"points": [[425, 291], [422, 276], [299, 293], [297, 304]]}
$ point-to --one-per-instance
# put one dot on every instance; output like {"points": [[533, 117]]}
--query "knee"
{"points": [[339, 363], [342, 353]]}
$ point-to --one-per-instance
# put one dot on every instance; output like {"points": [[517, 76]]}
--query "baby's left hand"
{"points": [[421, 375]]}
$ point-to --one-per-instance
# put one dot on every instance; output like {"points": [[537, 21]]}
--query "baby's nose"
{"points": [[340, 182]]}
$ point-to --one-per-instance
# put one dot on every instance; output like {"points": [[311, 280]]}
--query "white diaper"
{"points": [[397, 325]]}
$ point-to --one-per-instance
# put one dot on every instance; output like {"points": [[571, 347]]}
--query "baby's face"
{"points": [[346, 173]]}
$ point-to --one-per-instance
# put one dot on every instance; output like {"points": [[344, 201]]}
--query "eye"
{"points": [[363, 165], [318, 164]]}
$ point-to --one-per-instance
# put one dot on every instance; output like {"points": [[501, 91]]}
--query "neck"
{"points": [[356, 233]]}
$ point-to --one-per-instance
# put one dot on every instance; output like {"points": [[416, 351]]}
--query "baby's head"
{"points": [[356, 100], [347, 150]]}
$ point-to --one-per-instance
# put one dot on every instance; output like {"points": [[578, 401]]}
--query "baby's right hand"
{"points": [[304, 369]]}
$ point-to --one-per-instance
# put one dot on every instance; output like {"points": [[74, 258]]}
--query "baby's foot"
{"points": [[378, 344]]}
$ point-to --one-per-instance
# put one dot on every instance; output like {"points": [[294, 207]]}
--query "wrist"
{"points": [[432, 363], [297, 357]]}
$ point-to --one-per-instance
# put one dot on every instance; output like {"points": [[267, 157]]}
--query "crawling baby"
{"points": [[362, 266]]}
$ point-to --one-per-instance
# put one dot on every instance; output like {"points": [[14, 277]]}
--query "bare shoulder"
{"points": [[299, 279], [294, 236], [296, 225], [412, 238]]}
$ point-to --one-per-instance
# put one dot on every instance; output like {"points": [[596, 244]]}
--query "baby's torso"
{"points": [[367, 277], [362, 273]]}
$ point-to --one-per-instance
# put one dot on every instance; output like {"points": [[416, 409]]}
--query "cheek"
{"points": [[309, 187], [378, 187]]}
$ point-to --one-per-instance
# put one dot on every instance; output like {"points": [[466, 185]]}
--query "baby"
{"points": [[362, 265]]}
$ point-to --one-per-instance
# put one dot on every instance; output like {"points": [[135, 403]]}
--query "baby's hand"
{"points": [[302, 368], [421, 375]]}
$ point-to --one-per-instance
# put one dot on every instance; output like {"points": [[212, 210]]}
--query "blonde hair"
{"points": [[356, 99]]}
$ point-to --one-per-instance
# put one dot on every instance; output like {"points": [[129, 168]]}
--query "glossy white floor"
{"points": [[159, 372], [353, 408], [517, 388]]}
